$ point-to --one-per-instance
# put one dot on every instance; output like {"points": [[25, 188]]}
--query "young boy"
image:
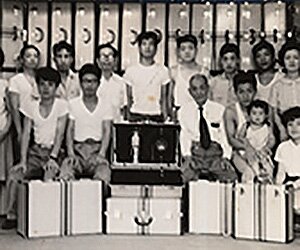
{"points": [[187, 50], [47, 117], [222, 90], [288, 157], [288, 152], [113, 87], [147, 89], [64, 54], [88, 132]]}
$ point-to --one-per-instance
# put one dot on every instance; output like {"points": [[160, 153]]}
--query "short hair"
{"points": [[290, 115], [289, 45], [63, 45], [230, 48], [27, 47], [146, 36], [258, 104], [242, 78], [198, 76], [187, 38], [2, 57], [89, 68], [107, 45], [47, 74]]}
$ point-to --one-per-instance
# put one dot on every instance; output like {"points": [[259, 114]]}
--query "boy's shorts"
{"points": [[86, 153], [37, 157]]}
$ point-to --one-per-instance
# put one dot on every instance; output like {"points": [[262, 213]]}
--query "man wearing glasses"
{"points": [[113, 87]]}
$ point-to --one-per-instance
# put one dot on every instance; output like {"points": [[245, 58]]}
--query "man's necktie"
{"points": [[204, 131]]}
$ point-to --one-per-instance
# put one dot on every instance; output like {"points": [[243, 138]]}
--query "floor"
{"points": [[11, 241]]}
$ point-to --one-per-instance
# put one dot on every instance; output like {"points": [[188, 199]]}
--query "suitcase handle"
{"points": [[142, 222]]}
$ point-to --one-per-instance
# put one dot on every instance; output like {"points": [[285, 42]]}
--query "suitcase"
{"points": [[210, 208], [84, 207], [145, 153], [41, 209], [264, 212], [143, 216], [155, 191], [246, 211], [276, 213]]}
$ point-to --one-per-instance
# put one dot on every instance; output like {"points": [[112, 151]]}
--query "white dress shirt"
{"points": [[189, 116]]}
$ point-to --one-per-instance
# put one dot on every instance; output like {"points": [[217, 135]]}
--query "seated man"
{"points": [[47, 118], [88, 132], [202, 138]]}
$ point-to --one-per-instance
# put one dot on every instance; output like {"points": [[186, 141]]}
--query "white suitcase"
{"points": [[246, 217], [155, 191], [41, 209], [143, 216], [84, 207], [128, 190], [276, 213], [165, 191], [210, 208]]}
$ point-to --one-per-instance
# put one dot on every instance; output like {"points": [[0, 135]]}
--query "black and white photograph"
{"points": [[149, 124]]}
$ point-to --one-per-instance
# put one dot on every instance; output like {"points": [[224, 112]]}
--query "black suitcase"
{"points": [[153, 159]]}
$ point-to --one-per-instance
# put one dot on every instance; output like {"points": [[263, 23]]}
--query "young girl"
{"points": [[22, 87], [259, 135], [6, 158], [285, 93]]}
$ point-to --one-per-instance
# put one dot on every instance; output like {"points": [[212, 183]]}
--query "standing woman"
{"points": [[22, 86], [264, 61], [285, 93], [6, 157]]}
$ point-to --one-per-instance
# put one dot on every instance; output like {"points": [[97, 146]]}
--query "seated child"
{"points": [[288, 157], [259, 135], [47, 118], [288, 152], [88, 132]]}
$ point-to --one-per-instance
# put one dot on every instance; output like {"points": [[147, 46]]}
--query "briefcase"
{"points": [[143, 216], [84, 207], [276, 213], [210, 207], [41, 209], [145, 153], [246, 211]]}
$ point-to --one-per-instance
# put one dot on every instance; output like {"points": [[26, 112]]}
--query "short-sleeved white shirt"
{"points": [[45, 128], [146, 82], [3, 108], [288, 154], [88, 125], [113, 91], [70, 88], [27, 92]]}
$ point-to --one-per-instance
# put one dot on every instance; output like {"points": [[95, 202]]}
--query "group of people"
{"points": [[237, 125]]}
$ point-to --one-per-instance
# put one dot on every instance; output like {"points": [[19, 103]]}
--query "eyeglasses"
{"points": [[108, 56]]}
